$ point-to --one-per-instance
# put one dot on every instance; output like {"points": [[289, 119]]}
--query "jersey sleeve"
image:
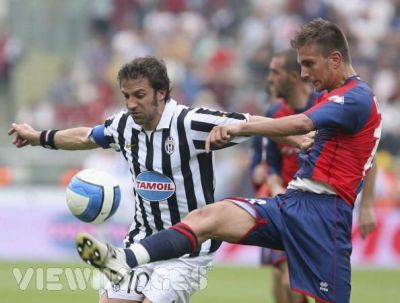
{"points": [[203, 121], [274, 158], [345, 112], [106, 135]]}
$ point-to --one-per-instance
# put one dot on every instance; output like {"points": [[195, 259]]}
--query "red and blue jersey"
{"points": [[348, 124], [282, 159]]}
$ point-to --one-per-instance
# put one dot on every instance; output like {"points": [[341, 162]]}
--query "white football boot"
{"points": [[108, 259]]}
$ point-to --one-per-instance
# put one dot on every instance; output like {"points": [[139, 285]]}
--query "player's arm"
{"points": [[274, 160], [275, 185], [68, 139], [74, 139], [302, 142], [292, 125], [299, 124], [366, 215]]}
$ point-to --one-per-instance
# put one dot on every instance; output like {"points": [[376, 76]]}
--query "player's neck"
{"points": [[349, 72], [345, 73]]}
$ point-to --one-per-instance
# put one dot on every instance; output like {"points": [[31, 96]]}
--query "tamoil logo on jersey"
{"points": [[153, 186]]}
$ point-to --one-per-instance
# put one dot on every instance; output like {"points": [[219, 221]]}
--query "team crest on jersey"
{"points": [[337, 99], [153, 186], [169, 145]]}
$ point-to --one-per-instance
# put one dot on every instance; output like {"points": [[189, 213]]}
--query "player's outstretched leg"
{"points": [[183, 238]]}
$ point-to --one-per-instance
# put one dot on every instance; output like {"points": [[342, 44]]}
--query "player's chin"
{"points": [[318, 89], [138, 119], [317, 86]]}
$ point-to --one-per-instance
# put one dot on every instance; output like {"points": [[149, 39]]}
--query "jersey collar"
{"points": [[167, 114]]}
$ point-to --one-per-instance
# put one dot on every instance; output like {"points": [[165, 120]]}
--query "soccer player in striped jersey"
{"points": [[312, 220], [164, 144]]}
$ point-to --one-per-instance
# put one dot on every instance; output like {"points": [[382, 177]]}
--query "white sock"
{"points": [[141, 254]]}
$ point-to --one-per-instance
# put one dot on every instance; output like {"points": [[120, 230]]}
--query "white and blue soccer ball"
{"points": [[93, 195]]}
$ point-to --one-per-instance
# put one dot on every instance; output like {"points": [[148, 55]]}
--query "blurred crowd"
{"points": [[217, 52]]}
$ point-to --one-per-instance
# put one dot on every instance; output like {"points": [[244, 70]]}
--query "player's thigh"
{"points": [[130, 289], [283, 268], [104, 299], [221, 220], [276, 278], [177, 280]]}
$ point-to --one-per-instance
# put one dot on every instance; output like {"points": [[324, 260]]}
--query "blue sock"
{"points": [[172, 243], [130, 258]]}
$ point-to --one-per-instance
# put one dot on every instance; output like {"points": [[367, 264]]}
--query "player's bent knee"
{"points": [[204, 221], [211, 222], [203, 217]]}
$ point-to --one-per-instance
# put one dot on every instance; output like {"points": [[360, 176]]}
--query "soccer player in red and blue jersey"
{"points": [[312, 220], [293, 96]]}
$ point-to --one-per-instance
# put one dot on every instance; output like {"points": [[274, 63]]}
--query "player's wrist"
{"points": [[46, 138], [239, 129]]}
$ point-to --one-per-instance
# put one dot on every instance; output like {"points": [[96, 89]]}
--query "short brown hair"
{"points": [[148, 67], [290, 58], [326, 35]]}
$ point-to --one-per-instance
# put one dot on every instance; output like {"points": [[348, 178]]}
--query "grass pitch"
{"points": [[45, 283]]}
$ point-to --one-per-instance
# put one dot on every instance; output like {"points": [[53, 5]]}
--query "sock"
{"points": [[172, 243], [136, 255]]}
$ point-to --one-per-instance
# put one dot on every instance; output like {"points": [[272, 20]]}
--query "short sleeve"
{"points": [[203, 120], [346, 113], [98, 137], [106, 135]]}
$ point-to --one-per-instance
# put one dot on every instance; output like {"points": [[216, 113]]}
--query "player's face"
{"points": [[314, 67], [278, 78], [144, 104]]}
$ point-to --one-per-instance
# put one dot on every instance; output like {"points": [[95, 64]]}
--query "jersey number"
{"points": [[141, 281], [377, 135]]}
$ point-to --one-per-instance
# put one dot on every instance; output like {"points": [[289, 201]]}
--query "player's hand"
{"points": [[221, 135], [366, 221], [307, 141], [25, 135], [259, 174]]}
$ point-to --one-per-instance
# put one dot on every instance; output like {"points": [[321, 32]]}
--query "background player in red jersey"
{"points": [[312, 220], [293, 96]]}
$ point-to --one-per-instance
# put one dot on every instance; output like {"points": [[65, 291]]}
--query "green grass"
{"points": [[10, 291], [225, 284]]}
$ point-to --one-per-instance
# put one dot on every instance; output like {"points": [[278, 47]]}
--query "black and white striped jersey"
{"points": [[171, 172]]}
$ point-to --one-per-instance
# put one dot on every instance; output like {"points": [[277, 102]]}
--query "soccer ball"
{"points": [[93, 195]]}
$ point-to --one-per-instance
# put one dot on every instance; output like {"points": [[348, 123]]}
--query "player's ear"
{"points": [[294, 76], [335, 59], [161, 95]]}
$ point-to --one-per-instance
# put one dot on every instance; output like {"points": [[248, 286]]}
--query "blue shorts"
{"points": [[315, 232], [272, 257]]}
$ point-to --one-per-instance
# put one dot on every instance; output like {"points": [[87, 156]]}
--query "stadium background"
{"points": [[58, 64]]}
